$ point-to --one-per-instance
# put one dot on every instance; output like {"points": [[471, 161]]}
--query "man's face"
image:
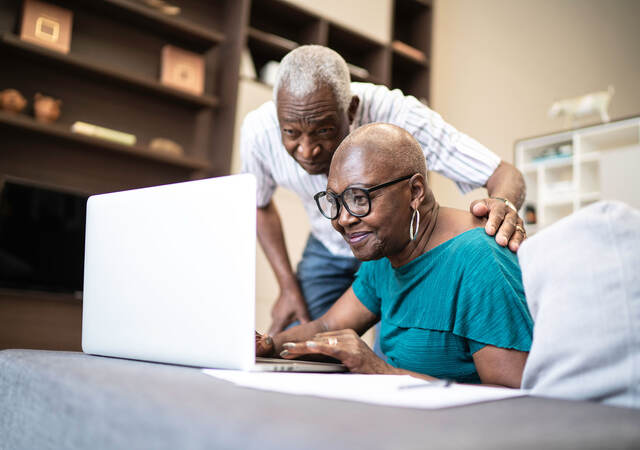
{"points": [[312, 127]]}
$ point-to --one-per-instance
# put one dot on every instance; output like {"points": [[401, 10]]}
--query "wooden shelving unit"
{"points": [[111, 78], [24, 123], [277, 27], [74, 63]]}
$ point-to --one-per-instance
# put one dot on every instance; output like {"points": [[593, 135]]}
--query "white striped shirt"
{"points": [[449, 152]]}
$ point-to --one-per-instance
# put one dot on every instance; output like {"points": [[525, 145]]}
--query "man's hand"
{"points": [[264, 346], [503, 222], [344, 345], [289, 307]]}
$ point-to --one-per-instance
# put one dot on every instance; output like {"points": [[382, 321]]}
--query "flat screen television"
{"points": [[41, 238]]}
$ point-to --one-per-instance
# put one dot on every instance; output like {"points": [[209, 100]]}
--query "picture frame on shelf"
{"points": [[46, 25]]}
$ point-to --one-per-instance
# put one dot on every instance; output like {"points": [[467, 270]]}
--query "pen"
{"points": [[445, 382]]}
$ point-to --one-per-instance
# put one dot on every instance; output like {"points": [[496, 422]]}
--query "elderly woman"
{"points": [[449, 299]]}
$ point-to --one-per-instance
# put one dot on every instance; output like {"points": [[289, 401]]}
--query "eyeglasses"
{"points": [[356, 199]]}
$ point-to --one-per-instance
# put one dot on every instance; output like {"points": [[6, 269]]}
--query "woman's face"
{"points": [[385, 230]]}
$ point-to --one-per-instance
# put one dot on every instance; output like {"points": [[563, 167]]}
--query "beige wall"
{"points": [[499, 64], [368, 17]]}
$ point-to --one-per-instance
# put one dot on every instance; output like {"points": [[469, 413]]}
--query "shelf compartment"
{"points": [[361, 52], [590, 176], [175, 27], [610, 137], [265, 47], [551, 163], [409, 54], [27, 124], [282, 19], [410, 79], [14, 43], [412, 24]]}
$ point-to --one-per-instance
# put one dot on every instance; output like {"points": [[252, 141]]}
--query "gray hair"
{"points": [[307, 67]]}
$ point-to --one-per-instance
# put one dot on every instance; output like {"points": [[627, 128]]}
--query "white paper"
{"points": [[376, 389]]}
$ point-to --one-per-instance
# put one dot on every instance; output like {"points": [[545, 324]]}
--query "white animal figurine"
{"points": [[593, 103]]}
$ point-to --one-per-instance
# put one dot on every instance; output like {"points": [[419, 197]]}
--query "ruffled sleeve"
{"points": [[490, 307]]}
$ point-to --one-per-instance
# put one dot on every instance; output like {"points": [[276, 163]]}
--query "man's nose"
{"points": [[308, 149]]}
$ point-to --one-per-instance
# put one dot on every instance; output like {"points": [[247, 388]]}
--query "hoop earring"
{"points": [[416, 215]]}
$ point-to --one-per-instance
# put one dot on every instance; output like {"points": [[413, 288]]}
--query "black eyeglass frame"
{"points": [[367, 191]]}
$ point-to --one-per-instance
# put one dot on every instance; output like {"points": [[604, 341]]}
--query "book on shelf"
{"points": [[97, 131]]}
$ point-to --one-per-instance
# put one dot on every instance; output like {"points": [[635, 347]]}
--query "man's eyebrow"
{"points": [[326, 118]]}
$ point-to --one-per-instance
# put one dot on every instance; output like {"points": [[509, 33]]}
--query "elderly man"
{"points": [[290, 141]]}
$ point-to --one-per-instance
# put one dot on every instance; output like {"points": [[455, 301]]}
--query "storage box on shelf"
{"points": [[563, 171]]}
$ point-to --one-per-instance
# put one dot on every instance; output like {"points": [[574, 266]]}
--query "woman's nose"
{"points": [[345, 218]]}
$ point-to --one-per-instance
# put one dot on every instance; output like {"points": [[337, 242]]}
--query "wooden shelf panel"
{"points": [[272, 40], [281, 18], [25, 123], [199, 36], [409, 54], [130, 80]]}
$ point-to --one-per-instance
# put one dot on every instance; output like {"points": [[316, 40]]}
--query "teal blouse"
{"points": [[442, 307]]}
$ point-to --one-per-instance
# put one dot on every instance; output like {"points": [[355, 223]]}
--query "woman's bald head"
{"points": [[382, 148]]}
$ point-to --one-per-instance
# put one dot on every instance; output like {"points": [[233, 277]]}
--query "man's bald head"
{"points": [[383, 148]]}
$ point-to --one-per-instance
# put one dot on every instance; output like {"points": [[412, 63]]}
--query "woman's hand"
{"points": [[344, 345], [264, 346]]}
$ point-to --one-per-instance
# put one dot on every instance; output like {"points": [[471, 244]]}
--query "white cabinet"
{"points": [[568, 170]]}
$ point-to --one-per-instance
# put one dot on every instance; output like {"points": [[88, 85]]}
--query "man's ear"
{"points": [[418, 190], [353, 107]]}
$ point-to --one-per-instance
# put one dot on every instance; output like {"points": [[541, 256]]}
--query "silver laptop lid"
{"points": [[170, 273]]}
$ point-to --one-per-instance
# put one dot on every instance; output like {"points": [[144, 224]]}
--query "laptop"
{"points": [[169, 276]]}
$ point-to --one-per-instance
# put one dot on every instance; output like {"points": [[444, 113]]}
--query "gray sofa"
{"points": [[67, 400]]}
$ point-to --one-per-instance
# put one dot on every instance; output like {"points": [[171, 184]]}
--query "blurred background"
{"points": [[103, 107]]}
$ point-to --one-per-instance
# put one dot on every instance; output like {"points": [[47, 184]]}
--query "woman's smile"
{"points": [[357, 237]]}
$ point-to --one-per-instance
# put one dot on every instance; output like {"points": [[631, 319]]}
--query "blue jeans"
{"points": [[324, 277]]}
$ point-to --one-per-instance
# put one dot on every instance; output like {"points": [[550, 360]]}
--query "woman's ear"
{"points": [[418, 190]]}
